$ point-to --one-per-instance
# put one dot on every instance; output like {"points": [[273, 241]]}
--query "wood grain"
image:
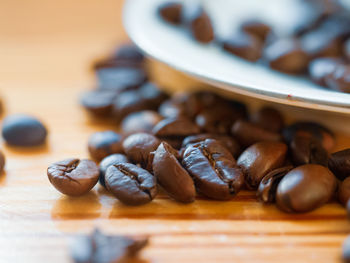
{"points": [[46, 49]]}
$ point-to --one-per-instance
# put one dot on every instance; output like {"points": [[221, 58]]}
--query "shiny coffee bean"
{"points": [[98, 102], [142, 121], [138, 148], [269, 119], [305, 150], [131, 184], [2, 162], [339, 164], [171, 12], [339, 79], [248, 133], [260, 159], [213, 169], [112, 159], [128, 52], [102, 144], [321, 68], [266, 192], [171, 175], [73, 177], [344, 191], [305, 188], [152, 94], [256, 28], [23, 130], [346, 250]]}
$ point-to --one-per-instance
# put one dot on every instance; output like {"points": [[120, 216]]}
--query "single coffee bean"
{"points": [[142, 121], [2, 162], [131, 184], [102, 144], [305, 188], [344, 191], [260, 159], [346, 250], [339, 164], [321, 68], [138, 148], [128, 52], [98, 102], [23, 130], [171, 12], [171, 175], [213, 169], [73, 177], [339, 79], [305, 150], [286, 55], [256, 28], [269, 119], [152, 94], [112, 159], [267, 188], [248, 133]]}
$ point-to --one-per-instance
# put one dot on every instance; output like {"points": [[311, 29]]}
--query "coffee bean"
{"points": [[142, 121], [305, 188], [73, 177], [256, 28], [138, 148], [269, 119], [98, 102], [131, 184], [339, 164], [259, 159], [112, 159], [321, 68], [213, 169], [23, 130], [152, 94], [102, 144], [346, 250], [171, 12], [171, 175], [2, 162], [267, 188], [243, 45], [128, 52], [339, 79], [344, 191], [248, 133]]}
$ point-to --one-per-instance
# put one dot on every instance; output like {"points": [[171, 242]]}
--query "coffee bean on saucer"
{"points": [[339, 79], [260, 159], [344, 191], [98, 102], [213, 169], [73, 177], [112, 159], [104, 143], [23, 130], [256, 28], [171, 12], [141, 121], [131, 184], [171, 175], [269, 119], [339, 164], [321, 68]]}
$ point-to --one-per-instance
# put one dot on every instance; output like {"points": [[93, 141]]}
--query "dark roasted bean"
{"points": [[128, 52], [269, 119], [112, 159], [259, 159], [152, 94], [171, 12], [321, 68], [142, 121], [131, 184], [213, 169], [171, 175], [339, 79], [23, 130], [98, 102], [268, 185], [256, 28], [73, 177], [346, 250], [339, 164], [344, 191], [102, 144], [305, 188]]}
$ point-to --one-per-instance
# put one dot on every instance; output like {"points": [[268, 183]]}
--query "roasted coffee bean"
{"points": [[73, 177], [171, 12], [310, 129], [286, 55], [102, 144], [128, 52], [112, 159], [339, 164], [23, 130], [171, 175], [267, 188], [305, 188], [213, 169], [321, 68], [174, 130], [256, 28], [131, 184], [346, 250], [99, 102], [269, 119], [138, 148], [198, 22], [248, 133], [152, 94], [260, 159], [100, 248], [243, 45], [339, 79], [227, 141], [142, 121], [305, 150], [344, 191]]}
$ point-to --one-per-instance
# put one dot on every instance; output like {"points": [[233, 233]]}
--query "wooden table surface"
{"points": [[45, 49]]}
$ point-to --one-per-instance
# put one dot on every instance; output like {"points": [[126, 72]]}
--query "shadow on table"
{"points": [[41, 149]]}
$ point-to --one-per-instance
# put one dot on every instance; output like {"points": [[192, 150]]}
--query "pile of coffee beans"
{"points": [[318, 46]]}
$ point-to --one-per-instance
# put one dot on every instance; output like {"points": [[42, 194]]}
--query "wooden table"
{"points": [[46, 48]]}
